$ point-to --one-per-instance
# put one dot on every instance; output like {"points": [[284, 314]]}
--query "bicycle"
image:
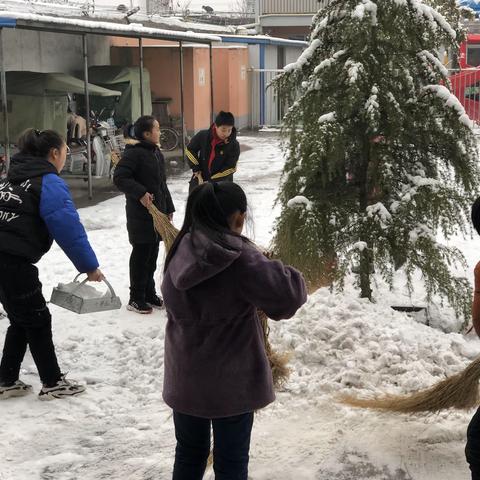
{"points": [[169, 139]]}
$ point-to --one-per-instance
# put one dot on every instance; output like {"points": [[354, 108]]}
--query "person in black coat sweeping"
{"points": [[213, 154], [140, 174]]}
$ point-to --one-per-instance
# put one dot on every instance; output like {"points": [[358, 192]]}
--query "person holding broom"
{"points": [[213, 153], [460, 391], [216, 371], [36, 208], [140, 174], [472, 449]]}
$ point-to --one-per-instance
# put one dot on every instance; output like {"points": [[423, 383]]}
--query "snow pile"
{"points": [[341, 342]]}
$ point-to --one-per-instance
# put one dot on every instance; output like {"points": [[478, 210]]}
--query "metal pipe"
{"points": [[182, 100], [140, 48], [211, 82], [87, 117], [4, 102]]}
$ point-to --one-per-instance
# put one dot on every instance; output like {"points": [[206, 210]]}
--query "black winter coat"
{"points": [[224, 163], [142, 170], [36, 208], [22, 231]]}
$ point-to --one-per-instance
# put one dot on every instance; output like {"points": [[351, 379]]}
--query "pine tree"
{"points": [[381, 156]]}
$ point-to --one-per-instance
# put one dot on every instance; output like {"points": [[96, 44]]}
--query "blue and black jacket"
{"points": [[36, 208]]}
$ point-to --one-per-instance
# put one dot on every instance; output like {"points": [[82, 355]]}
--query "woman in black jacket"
{"points": [[140, 174]]}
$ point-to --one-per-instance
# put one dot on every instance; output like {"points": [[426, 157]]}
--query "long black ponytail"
{"points": [[209, 207]]}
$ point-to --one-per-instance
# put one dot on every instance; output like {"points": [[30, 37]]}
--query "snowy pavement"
{"points": [[121, 429]]}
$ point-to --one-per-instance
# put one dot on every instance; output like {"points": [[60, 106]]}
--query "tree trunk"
{"points": [[365, 271], [366, 260]]}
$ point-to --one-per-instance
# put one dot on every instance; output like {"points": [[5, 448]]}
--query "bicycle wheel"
{"points": [[168, 139]]}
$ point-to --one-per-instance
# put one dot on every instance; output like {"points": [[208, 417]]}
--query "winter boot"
{"points": [[155, 302], [16, 389], [139, 307], [63, 388]]}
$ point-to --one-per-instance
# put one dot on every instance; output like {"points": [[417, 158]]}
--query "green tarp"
{"points": [[126, 79], [39, 100]]}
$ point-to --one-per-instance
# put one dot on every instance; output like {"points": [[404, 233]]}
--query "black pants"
{"points": [[231, 444], [30, 322], [472, 450], [143, 263]]}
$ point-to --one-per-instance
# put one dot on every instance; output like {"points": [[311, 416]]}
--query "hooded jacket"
{"points": [[224, 162], [36, 208], [215, 361], [142, 170]]}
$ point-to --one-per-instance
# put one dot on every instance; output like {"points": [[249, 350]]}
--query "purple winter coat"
{"points": [[215, 361]]}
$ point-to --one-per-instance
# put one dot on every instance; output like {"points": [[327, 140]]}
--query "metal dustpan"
{"points": [[81, 298]]}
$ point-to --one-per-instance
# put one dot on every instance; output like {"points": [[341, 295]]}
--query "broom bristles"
{"points": [[163, 226], [278, 361], [459, 391]]}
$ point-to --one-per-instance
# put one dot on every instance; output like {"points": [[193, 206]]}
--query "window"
{"points": [[473, 55]]}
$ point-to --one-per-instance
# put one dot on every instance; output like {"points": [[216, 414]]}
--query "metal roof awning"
{"points": [[78, 26], [35, 83], [263, 40]]}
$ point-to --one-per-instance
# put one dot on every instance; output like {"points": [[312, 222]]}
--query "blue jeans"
{"points": [[231, 444], [472, 450]]}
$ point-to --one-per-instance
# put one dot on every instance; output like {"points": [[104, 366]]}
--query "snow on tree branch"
{"points": [[304, 57], [450, 101], [430, 14], [429, 59], [299, 201], [327, 117], [367, 6], [328, 62]]}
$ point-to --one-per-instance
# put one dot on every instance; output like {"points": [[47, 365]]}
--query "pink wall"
{"points": [[162, 61], [231, 82], [201, 82]]}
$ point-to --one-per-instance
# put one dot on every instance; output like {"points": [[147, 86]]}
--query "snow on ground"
{"points": [[122, 430]]}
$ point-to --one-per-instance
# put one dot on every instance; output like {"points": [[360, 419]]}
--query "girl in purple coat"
{"points": [[216, 369]]}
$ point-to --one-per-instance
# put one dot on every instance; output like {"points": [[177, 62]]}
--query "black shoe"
{"points": [[155, 302], [139, 306]]}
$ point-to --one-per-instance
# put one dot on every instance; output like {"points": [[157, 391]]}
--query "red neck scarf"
{"points": [[215, 141]]}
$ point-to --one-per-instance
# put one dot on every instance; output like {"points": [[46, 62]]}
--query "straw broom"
{"points": [[163, 226], [459, 391]]}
